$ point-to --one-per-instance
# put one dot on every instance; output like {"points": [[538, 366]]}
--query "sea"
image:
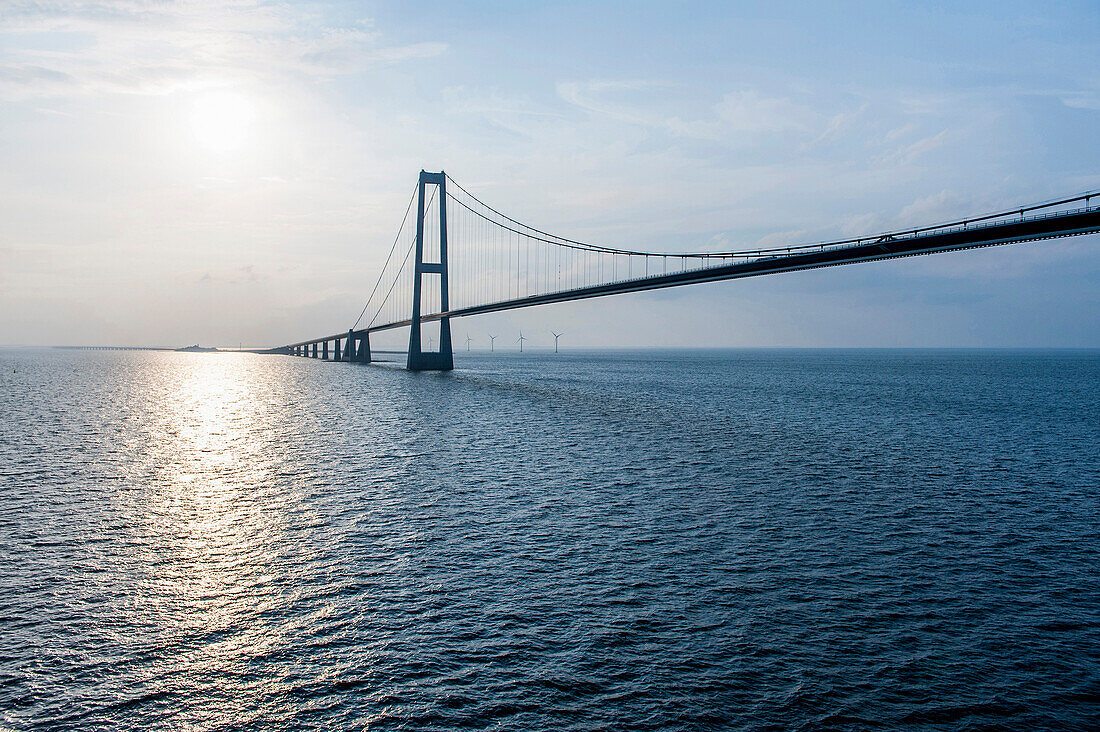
{"points": [[645, 540]]}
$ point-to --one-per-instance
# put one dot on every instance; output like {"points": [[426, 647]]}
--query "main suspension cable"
{"points": [[573, 244], [388, 256], [406, 259]]}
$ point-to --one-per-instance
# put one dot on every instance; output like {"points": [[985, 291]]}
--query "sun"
{"points": [[222, 120]]}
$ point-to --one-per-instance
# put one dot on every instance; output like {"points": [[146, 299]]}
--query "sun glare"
{"points": [[221, 121]]}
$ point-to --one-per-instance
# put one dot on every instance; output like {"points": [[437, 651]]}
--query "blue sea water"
{"points": [[637, 541]]}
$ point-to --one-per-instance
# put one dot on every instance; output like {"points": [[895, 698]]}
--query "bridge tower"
{"points": [[443, 359]]}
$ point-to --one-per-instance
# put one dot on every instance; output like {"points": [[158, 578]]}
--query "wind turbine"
{"points": [[521, 340], [556, 337], [468, 339], [429, 343], [492, 340]]}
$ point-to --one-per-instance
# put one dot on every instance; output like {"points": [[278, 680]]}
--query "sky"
{"points": [[235, 172]]}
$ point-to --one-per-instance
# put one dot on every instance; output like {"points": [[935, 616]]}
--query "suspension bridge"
{"points": [[481, 261]]}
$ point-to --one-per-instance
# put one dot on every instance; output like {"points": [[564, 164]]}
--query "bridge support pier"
{"points": [[443, 359], [362, 353], [350, 345], [337, 354], [324, 351]]}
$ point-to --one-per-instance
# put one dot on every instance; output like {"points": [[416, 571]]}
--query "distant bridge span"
{"points": [[501, 264]]}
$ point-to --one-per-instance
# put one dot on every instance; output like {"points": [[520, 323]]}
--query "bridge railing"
{"points": [[492, 259]]}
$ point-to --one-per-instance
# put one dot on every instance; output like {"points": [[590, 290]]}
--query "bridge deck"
{"points": [[1050, 226]]}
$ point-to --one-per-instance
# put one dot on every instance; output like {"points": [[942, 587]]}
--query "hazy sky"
{"points": [[181, 172]]}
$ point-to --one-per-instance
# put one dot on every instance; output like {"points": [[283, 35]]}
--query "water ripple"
{"points": [[680, 541]]}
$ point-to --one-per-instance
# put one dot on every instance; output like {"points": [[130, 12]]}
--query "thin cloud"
{"points": [[908, 154], [159, 48], [738, 117], [941, 206], [591, 96], [1082, 100]]}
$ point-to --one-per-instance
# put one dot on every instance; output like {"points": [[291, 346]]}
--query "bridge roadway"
{"points": [[1074, 222]]}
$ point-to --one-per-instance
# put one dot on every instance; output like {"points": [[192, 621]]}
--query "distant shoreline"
{"points": [[589, 350]]}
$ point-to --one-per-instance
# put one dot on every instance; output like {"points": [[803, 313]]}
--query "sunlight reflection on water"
{"points": [[670, 541]]}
